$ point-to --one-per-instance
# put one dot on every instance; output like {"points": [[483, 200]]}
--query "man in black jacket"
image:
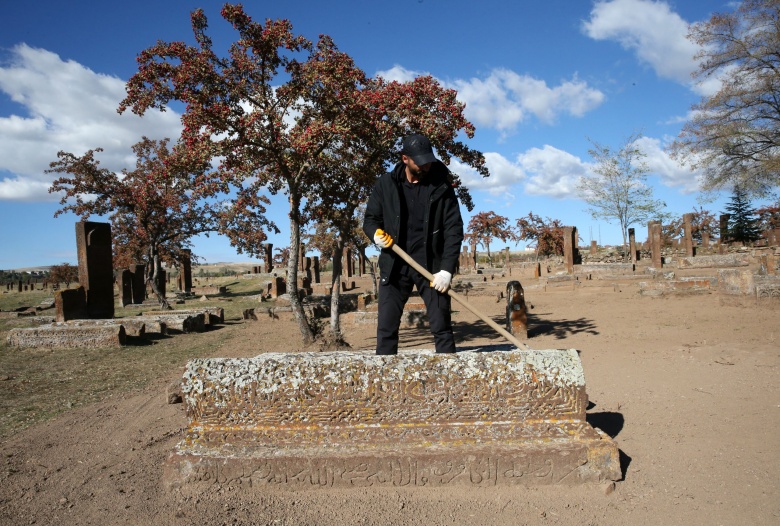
{"points": [[414, 205]]}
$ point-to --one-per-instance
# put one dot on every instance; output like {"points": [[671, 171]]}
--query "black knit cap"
{"points": [[418, 147]]}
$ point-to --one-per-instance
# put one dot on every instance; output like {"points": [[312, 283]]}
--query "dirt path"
{"points": [[688, 388]]}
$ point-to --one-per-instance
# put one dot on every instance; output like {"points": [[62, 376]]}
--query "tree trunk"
{"points": [[335, 291], [292, 270], [154, 274], [623, 229]]}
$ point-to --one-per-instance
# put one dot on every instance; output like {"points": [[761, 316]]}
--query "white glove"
{"points": [[382, 239], [441, 281]]}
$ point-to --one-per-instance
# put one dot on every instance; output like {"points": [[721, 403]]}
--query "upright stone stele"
{"points": [[138, 271], [655, 244], [96, 269], [125, 287], [688, 234], [185, 272], [357, 420], [724, 229], [594, 248], [569, 247], [71, 304]]}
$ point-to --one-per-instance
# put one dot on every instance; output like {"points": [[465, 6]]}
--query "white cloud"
{"points": [[505, 99], [67, 107], [670, 172], [400, 74], [24, 189], [504, 174], [552, 172], [545, 171], [654, 32]]}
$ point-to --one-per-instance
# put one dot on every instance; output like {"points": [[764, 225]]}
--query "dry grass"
{"points": [[37, 384]]}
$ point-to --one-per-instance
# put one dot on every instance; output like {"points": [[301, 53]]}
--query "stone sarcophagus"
{"points": [[354, 419]]}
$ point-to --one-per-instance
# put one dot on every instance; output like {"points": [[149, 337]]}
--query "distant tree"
{"points": [[282, 256], [733, 136], [546, 233], [617, 190], [768, 217], [743, 223], [703, 221], [485, 226], [63, 273], [153, 210]]}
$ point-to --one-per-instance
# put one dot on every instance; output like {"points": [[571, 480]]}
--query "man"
{"points": [[414, 205]]}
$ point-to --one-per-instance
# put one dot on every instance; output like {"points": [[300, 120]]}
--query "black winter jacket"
{"points": [[443, 226]]}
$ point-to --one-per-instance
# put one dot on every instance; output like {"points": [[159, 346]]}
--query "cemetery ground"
{"points": [[686, 384]]}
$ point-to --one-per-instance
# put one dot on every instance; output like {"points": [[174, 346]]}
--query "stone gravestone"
{"points": [[139, 282], [654, 238], [125, 287], [96, 269], [688, 234], [70, 304], [185, 272], [484, 418], [570, 247], [278, 287]]}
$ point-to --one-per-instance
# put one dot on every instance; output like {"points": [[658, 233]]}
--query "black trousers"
{"points": [[393, 295]]}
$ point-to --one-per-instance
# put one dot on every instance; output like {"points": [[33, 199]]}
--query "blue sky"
{"points": [[538, 79]]}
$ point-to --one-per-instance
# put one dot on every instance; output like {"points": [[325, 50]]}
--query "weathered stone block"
{"points": [[175, 320], [213, 290], [211, 315], [354, 419], [69, 336], [681, 286], [736, 282], [70, 304], [152, 324], [714, 261]]}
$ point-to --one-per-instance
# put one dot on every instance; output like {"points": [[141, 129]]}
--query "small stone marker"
{"points": [[70, 304], [516, 312], [354, 419]]}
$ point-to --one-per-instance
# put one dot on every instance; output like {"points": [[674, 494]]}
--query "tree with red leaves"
{"points": [[63, 273], [485, 226], [768, 217], [547, 233], [283, 114], [152, 209], [703, 221]]}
